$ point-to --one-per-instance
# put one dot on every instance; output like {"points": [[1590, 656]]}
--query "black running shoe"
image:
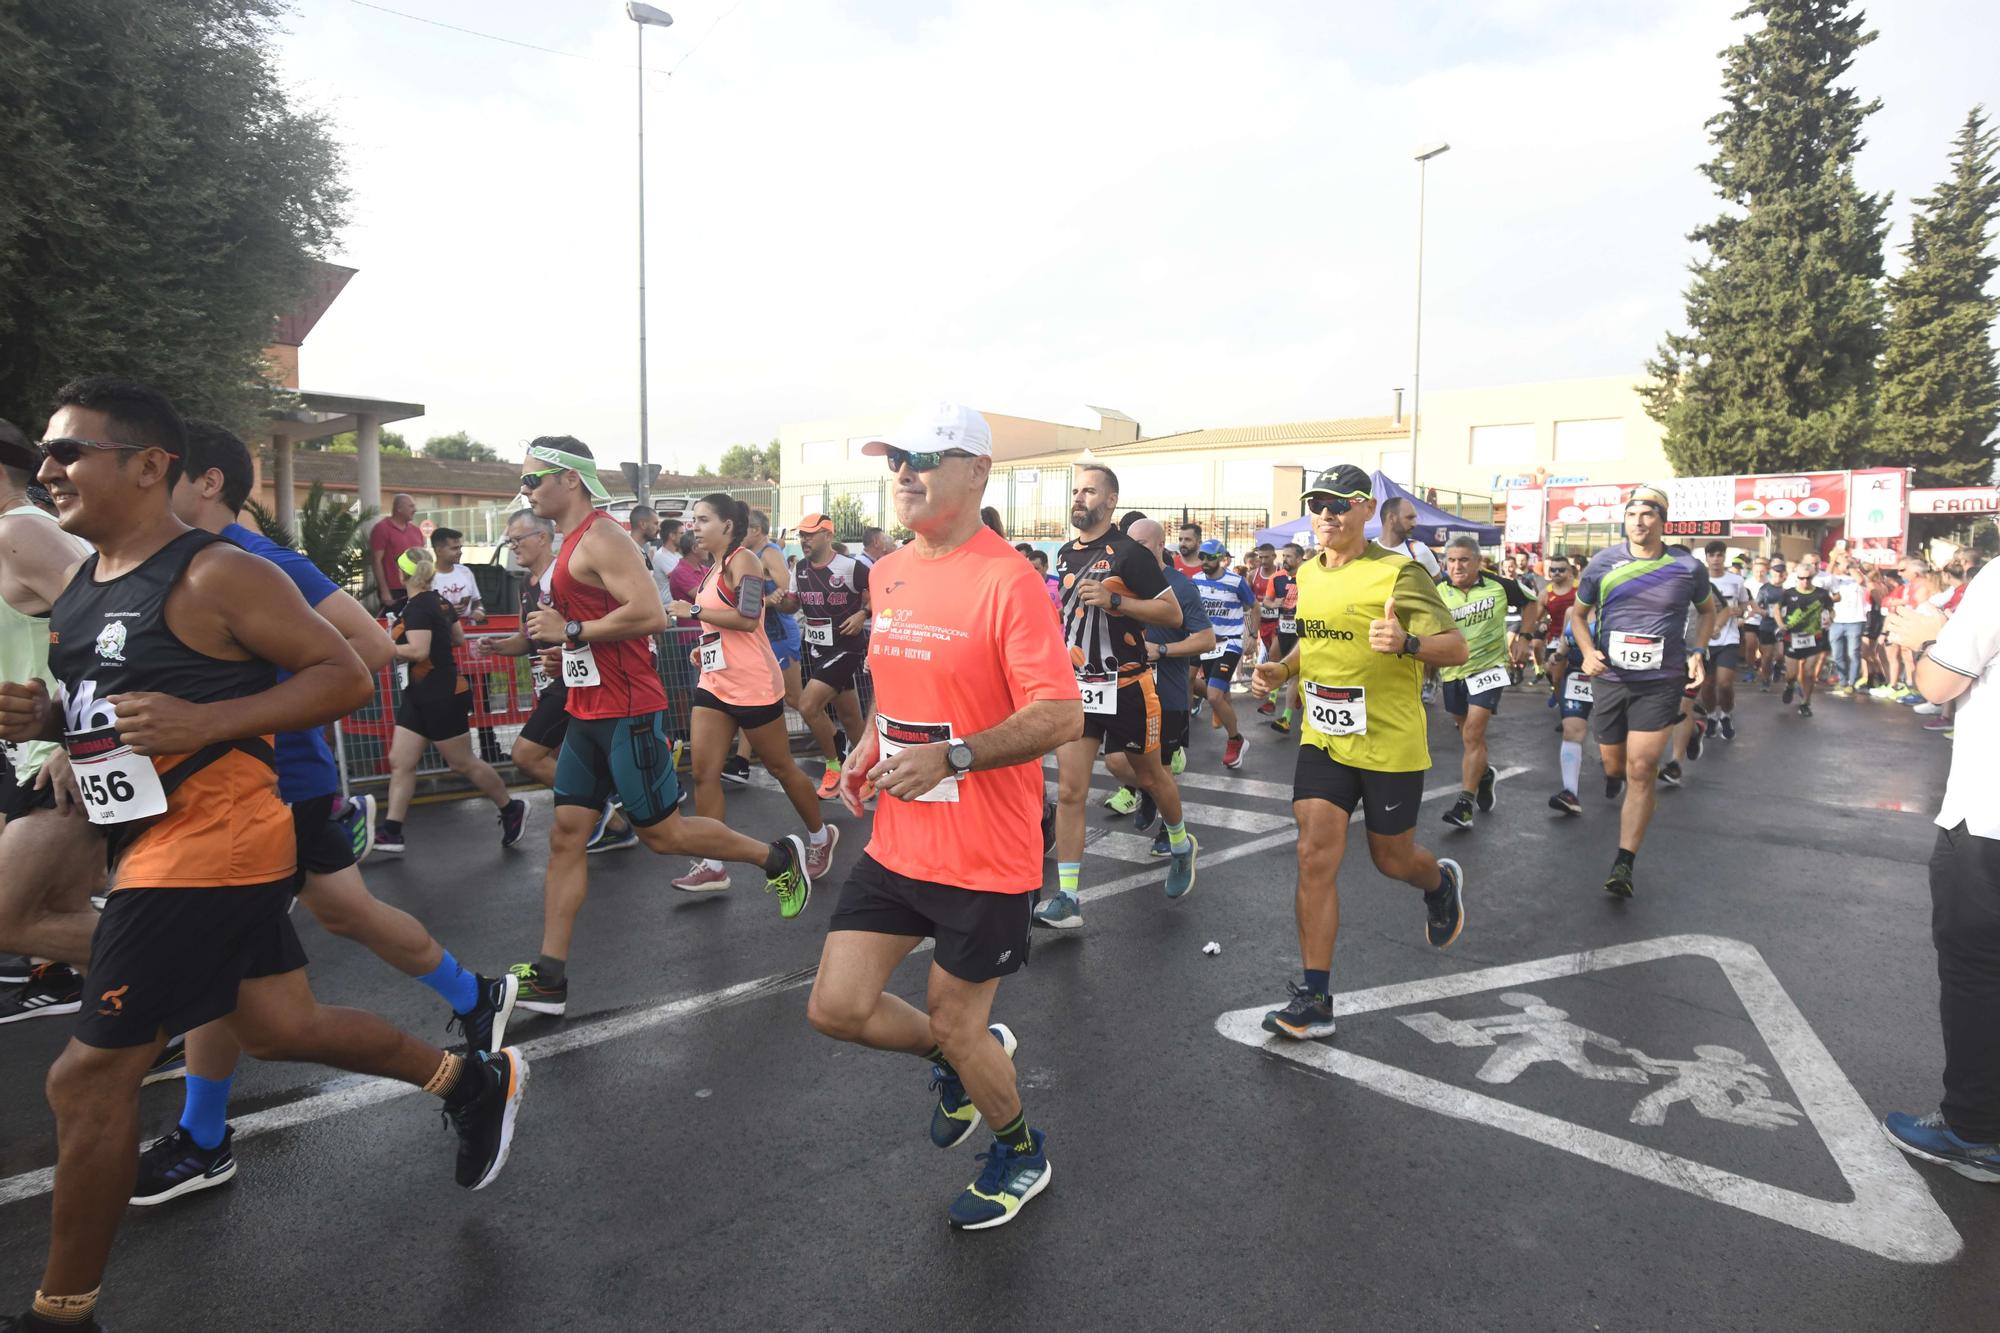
{"points": [[1613, 788], [1671, 774], [1049, 828], [513, 822], [1460, 814], [1619, 882], [1710, 726], [1149, 811], [19, 1324], [14, 969], [536, 995], [1790, 690], [1728, 728], [1695, 734], [1486, 781], [1445, 905], [171, 1062], [389, 837], [177, 1165], [484, 1026], [1161, 847], [1805, 710], [1566, 802], [736, 769], [1309, 1015], [50, 991], [485, 1120]]}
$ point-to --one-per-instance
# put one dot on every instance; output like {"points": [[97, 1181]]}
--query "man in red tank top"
{"points": [[605, 614]]}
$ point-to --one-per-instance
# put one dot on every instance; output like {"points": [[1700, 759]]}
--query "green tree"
{"points": [[1777, 368], [344, 443], [749, 462], [459, 447], [848, 518], [162, 199], [329, 533], [1940, 387]]}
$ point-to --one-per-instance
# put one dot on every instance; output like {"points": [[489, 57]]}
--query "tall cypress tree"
{"points": [[1776, 371], [1940, 387]]}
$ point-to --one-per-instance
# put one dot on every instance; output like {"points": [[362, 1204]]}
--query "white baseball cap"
{"points": [[935, 427]]}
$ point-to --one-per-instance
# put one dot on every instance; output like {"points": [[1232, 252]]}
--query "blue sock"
{"points": [[459, 987], [1319, 983], [206, 1113], [1177, 837]]}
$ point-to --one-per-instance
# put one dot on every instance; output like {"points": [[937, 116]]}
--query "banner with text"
{"points": [[1812, 495]]}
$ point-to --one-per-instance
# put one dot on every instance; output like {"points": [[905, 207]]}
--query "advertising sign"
{"points": [[1587, 504], [1814, 495], [1956, 500], [1875, 504], [1701, 500], [1524, 517]]}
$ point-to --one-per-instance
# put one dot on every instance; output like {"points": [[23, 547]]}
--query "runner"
{"points": [[604, 613], [50, 864], [972, 688], [1551, 616], [1573, 692], [1718, 689], [741, 692], [1478, 602], [1685, 736], [1290, 557], [1769, 594], [1640, 596], [1232, 609], [833, 622], [187, 634], [781, 626], [1113, 591], [1399, 520], [1361, 742], [435, 708], [1755, 632], [1804, 614], [1187, 556], [195, 1155], [1271, 583]]}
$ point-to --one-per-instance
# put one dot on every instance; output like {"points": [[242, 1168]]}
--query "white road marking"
{"points": [[1892, 1214], [1120, 846], [354, 1092]]}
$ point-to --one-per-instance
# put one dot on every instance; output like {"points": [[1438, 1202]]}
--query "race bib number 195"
{"points": [[1637, 652]]}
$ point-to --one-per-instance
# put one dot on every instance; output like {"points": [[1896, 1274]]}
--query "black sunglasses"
{"points": [[1332, 504], [921, 462], [66, 450], [530, 480]]}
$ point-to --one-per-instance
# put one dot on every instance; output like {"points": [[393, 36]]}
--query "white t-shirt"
{"points": [[457, 586], [1850, 599], [1729, 590], [1969, 644], [1421, 553]]}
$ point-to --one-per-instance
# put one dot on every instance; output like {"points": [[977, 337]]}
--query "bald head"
{"points": [[403, 508], [1149, 534]]}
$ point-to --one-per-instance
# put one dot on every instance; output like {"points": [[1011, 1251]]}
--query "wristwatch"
{"points": [[959, 756], [573, 631], [1411, 643], [1116, 598]]}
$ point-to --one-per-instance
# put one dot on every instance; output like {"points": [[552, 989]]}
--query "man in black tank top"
{"points": [[165, 649]]}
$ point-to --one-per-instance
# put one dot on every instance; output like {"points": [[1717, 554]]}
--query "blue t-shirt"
{"points": [[1226, 598], [305, 765], [1170, 674], [1642, 610]]}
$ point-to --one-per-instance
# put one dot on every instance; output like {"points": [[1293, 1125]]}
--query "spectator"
{"points": [[454, 581], [387, 541], [1850, 614], [644, 524], [991, 518], [689, 568], [875, 544]]}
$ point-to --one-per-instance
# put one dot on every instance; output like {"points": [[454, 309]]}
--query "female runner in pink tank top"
{"points": [[741, 688]]}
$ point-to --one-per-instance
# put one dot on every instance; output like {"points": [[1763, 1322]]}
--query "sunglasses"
{"points": [[926, 461], [66, 450], [1332, 504], [514, 543], [530, 480]]}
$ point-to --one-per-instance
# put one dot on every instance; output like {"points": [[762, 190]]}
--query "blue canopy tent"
{"points": [[1434, 526]]}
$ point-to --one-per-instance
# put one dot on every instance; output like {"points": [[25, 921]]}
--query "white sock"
{"points": [[818, 839], [712, 864], [1572, 764]]}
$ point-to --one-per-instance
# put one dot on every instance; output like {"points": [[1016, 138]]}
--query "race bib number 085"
{"points": [[579, 667]]}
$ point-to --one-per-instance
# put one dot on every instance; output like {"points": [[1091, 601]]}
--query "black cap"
{"points": [[1343, 479]]}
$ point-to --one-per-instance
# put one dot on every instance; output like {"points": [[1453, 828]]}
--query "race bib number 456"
{"points": [[118, 786]]}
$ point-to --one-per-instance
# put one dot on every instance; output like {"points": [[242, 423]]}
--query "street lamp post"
{"points": [[1424, 155], [643, 16]]}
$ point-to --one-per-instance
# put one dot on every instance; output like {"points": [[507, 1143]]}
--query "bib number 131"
{"points": [[117, 785]]}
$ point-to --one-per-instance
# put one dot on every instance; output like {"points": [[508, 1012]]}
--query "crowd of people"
{"points": [[166, 676]]}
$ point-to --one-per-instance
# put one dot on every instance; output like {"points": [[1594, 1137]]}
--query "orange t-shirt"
{"points": [[961, 644]]}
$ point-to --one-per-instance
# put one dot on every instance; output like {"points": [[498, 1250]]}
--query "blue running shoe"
{"points": [[1160, 847], [1307, 1017], [176, 1165], [1006, 1182], [1932, 1140], [1062, 912], [1444, 906], [955, 1117], [1180, 869], [359, 817]]}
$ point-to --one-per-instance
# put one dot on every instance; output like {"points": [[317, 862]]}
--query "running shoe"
{"points": [[1460, 814], [536, 995], [1619, 882], [359, 817], [1122, 802], [1003, 1187], [1927, 709], [513, 822], [12, 1324], [736, 769], [829, 784], [485, 1123], [171, 1062], [1444, 906], [1931, 1139], [609, 839], [1709, 726], [1179, 765], [14, 969], [1930, 724], [1790, 691], [484, 1026], [1613, 788], [702, 878], [1843, 691], [819, 860], [1268, 708], [1149, 810], [1161, 847], [1180, 870], [1909, 698], [389, 837], [1566, 802], [1048, 828], [1232, 753], [1670, 774], [1885, 692], [1696, 734], [1062, 912], [1728, 728], [1282, 724], [50, 991], [1308, 1016], [1486, 780], [175, 1165], [1805, 710], [793, 883], [954, 1118]]}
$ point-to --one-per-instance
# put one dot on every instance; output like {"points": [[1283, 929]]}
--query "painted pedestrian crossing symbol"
{"points": [[1520, 1043]]}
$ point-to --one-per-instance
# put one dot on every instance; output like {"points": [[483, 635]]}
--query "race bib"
{"points": [[899, 736], [537, 676], [1579, 688], [711, 654], [579, 667], [118, 786], [402, 675], [1214, 654], [1493, 678], [1100, 694], [1805, 643], [1288, 625], [1637, 652], [1335, 710], [819, 633]]}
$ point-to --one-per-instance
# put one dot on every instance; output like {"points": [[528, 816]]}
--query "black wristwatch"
{"points": [[1411, 644], [1116, 598], [959, 756], [573, 631]]}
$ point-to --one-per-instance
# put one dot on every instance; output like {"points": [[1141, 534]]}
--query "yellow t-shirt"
{"points": [[1335, 608]]}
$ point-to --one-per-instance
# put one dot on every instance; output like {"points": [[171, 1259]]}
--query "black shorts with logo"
{"points": [[546, 725], [1173, 731], [1219, 671], [17, 798], [1619, 708], [436, 718], [1135, 727], [979, 935], [1820, 645], [748, 716], [325, 846], [837, 669], [164, 961], [1391, 799]]}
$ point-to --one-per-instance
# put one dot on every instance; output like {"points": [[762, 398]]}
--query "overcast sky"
{"points": [[1200, 214]]}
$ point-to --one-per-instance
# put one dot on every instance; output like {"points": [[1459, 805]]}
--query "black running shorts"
{"points": [[546, 725], [1620, 708], [838, 670], [626, 757], [17, 799], [325, 847], [1725, 656], [979, 936], [1173, 731], [1135, 727], [164, 961], [436, 719], [1390, 799], [749, 717]]}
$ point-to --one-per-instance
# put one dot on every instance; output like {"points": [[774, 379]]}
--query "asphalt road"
{"points": [[692, 1155]]}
